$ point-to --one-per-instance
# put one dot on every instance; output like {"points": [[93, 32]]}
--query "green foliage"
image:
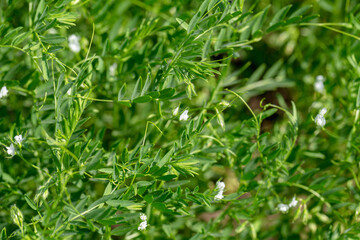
{"points": [[130, 107]]}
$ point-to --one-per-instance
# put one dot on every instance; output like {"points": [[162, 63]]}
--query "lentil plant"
{"points": [[180, 119]]}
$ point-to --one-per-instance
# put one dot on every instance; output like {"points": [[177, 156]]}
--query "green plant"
{"points": [[127, 117]]}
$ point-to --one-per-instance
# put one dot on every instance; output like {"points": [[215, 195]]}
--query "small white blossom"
{"points": [[112, 69], [320, 120], [176, 111], [143, 217], [284, 208], [75, 2], [320, 78], [69, 92], [74, 44], [142, 226], [219, 195], [220, 186], [18, 139], [3, 92], [319, 84], [11, 150], [184, 116], [323, 111], [293, 202]]}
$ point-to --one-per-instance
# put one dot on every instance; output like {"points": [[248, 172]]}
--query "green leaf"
{"points": [[142, 99], [45, 67], [300, 11], [62, 3], [10, 35], [20, 38], [182, 23], [125, 102], [53, 39], [30, 202], [314, 154], [194, 20], [146, 85], [144, 183], [46, 26], [3, 235], [167, 93], [176, 183], [131, 205], [122, 230], [207, 46], [280, 15], [40, 9], [167, 177], [53, 49], [268, 113], [211, 4], [274, 69], [154, 94], [102, 200], [161, 207], [257, 74], [166, 158], [122, 92], [204, 6], [259, 20], [137, 89], [100, 213], [219, 39]]}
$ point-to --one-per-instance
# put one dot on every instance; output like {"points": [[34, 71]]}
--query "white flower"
{"points": [[220, 186], [320, 78], [320, 120], [219, 196], [142, 226], [3, 92], [294, 202], [75, 2], [69, 92], [18, 139], [143, 217], [176, 111], [184, 116], [112, 69], [319, 84], [74, 44], [11, 150], [323, 111], [284, 208]]}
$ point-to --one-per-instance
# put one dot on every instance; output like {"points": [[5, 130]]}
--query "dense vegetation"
{"points": [[180, 119]]}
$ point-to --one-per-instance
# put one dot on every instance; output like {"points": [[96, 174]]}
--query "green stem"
{"points": [[355, 178], [330, 28]]}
